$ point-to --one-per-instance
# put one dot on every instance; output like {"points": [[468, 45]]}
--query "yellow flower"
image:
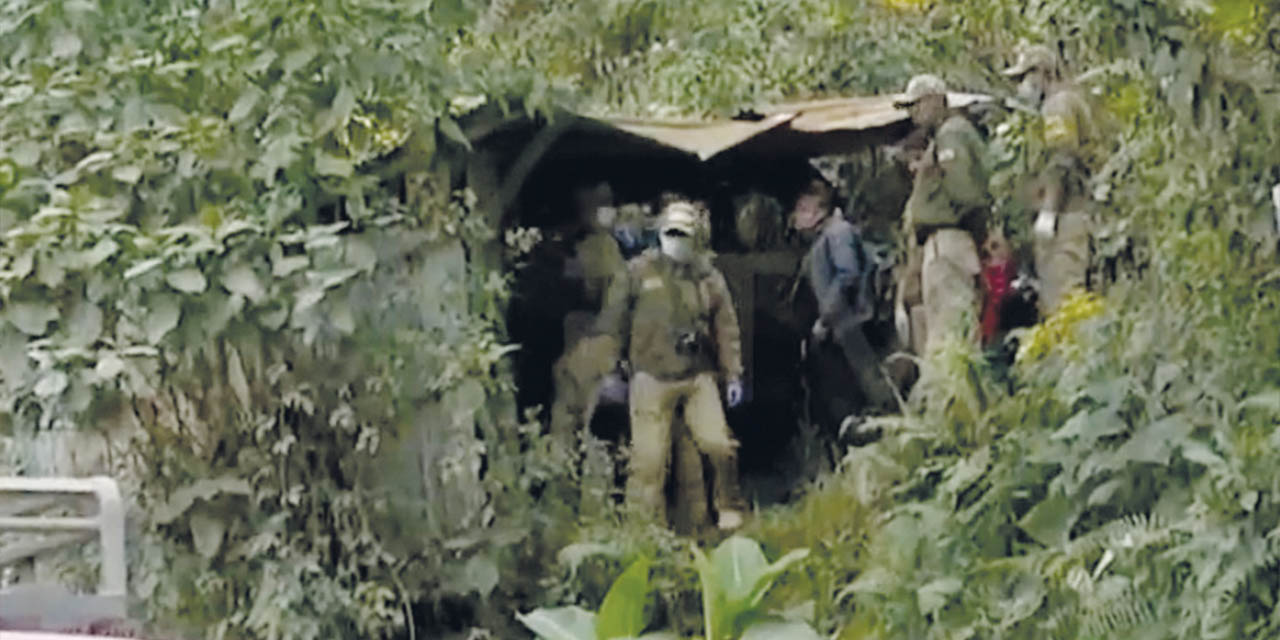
{"points": [[1059, 327], [908, 4]]}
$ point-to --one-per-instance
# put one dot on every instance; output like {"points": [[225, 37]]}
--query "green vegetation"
{"points": [[733, 582], [209, 257]]}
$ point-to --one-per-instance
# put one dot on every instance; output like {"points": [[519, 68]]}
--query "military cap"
{"points": [[1032, 58], [681, 216], [920, 86]]}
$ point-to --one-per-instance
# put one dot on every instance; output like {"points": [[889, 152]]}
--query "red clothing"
{"points": [[997, 277]]}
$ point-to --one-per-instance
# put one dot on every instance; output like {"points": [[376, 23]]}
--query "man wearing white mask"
{"points": [[1064, 212], [673, 318]]}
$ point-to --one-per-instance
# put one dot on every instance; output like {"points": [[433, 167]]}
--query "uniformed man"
{"points": [[585, 369], [1063, 224], [840, 274], [672, 316], [945, 218]]}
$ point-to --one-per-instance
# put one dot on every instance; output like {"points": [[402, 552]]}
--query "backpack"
{"points": [[863, 298]]}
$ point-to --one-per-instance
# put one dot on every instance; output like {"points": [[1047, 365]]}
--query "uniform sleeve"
{"points": [[961, 158], [728, 334], [614, 320], [601, 263], [1067, 121]]}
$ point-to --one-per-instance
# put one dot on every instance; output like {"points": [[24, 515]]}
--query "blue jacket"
{"points": [[837, 270]]}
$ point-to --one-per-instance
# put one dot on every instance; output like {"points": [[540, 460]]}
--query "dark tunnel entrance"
{"points": [[784, 389]]}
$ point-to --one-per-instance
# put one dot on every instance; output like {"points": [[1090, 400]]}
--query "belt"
{"points": [[924, 231]]}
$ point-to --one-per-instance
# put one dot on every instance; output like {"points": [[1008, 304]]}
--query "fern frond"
{"points": [[1113, 612]]}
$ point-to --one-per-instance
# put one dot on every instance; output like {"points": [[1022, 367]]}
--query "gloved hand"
{"points": [[820, 331], [733, 393], [613, 390]]}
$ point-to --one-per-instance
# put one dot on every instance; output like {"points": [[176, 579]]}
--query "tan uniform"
{"points": [[1061, 247], [650, 312], [947, 206], [579, 372]]}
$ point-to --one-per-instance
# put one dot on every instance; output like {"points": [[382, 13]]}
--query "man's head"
{"points": [[997, 248], [1035, 70], [594, 203], [813, 207], [756, 219], [678, 231], [926, 100]]}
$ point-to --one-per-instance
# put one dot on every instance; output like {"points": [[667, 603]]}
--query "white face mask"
{"points": [[606, 216], [678, 248]]}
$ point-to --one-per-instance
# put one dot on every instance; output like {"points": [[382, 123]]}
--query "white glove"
{"points": [[613, 390], [1046, 221], [820, 331], [733, 393]]}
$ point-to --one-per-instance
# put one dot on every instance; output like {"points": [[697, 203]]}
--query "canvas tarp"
{"points": [[708, 138]]}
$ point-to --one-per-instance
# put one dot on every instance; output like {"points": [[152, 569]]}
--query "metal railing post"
{"points": [[20, 497]]}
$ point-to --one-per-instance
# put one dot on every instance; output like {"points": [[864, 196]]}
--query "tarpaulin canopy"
{"points": [[708, 138], [700, 138], [811, 127]]}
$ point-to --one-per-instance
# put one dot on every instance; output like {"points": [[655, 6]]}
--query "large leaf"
{"points": [[331, 165], [622, 613], [1049, 522], [32, 318], [712, 596], [1091, 425], [563, 623], [1156, 441], [182, 499], [738, 562], [780, 631], [100, 252], [84, 325], [237, 379], [242, 280], [207, 532], [480, 575], [52, 384], [735, 580], [161, 318], [187, 280], [142, 267], [933, 596]]}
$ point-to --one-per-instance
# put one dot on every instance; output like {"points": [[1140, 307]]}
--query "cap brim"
{"points": [[902, 103], [1016, 70], [677, 227]]}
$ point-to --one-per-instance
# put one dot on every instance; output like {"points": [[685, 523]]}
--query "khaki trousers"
{"points": [[950, 287], [654, 407], [689, 508], [577, 376], [1062, 260]]}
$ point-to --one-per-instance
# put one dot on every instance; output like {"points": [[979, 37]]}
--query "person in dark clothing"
{"points": [[838, 267]]}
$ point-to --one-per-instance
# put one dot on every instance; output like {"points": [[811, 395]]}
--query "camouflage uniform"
{"points": [[676, 323], [946, 210], [1062, 229], [582, 368]]}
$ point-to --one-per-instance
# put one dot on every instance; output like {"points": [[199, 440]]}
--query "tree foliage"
{"points": [[234, 245]]}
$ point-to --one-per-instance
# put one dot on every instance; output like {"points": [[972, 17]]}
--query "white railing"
{"points": [[21, 500]]}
